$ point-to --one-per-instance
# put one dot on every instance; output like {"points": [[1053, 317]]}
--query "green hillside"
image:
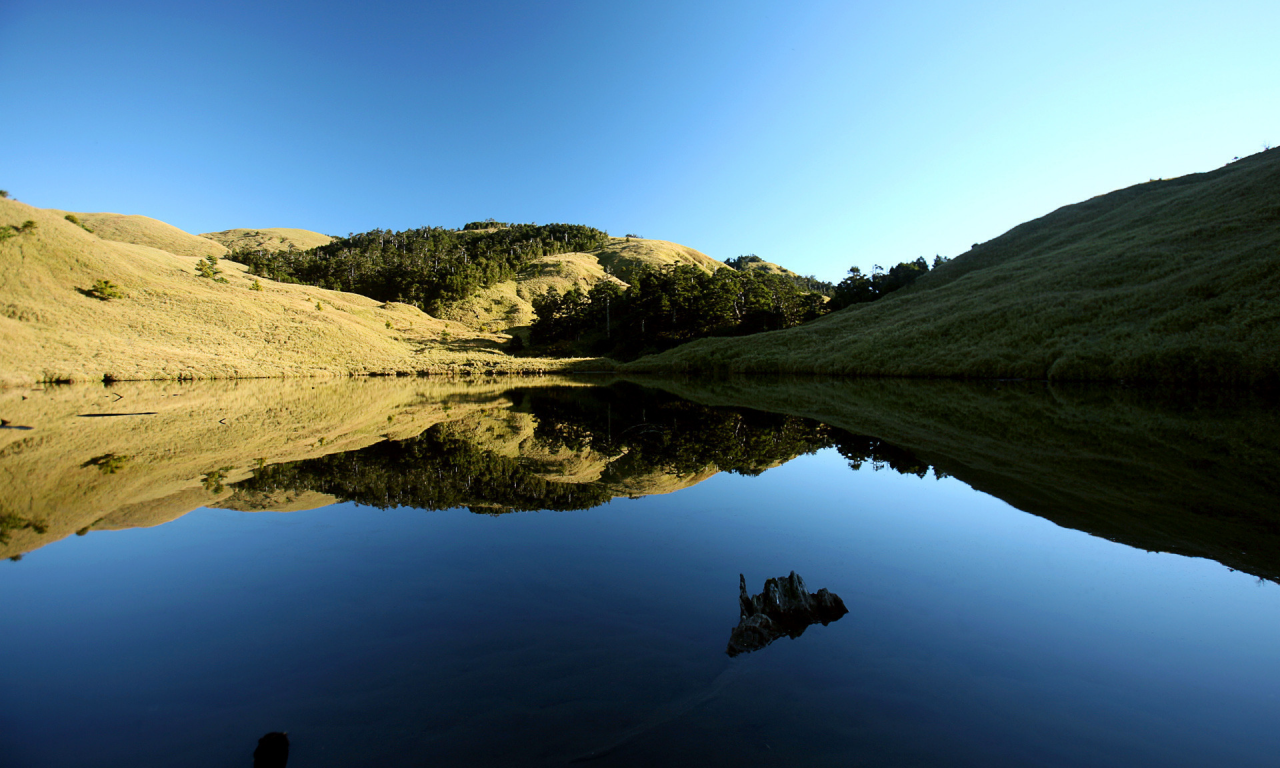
{"points": [[1174, 280]]}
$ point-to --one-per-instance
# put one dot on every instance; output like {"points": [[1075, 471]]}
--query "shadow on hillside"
{"points": [[457, 346]]}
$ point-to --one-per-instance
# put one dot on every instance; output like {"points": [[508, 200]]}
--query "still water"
{"points": [[550, 574]]}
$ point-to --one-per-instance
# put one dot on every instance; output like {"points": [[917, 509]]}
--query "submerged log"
{"points": [[784, 607]]}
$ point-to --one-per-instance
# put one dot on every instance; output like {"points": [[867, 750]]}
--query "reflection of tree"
{"points": [[859, 449], [435, 470], [662, 433], [642, 432]]}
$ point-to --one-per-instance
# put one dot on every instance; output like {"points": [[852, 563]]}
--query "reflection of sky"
{"points": [[977, 634]]}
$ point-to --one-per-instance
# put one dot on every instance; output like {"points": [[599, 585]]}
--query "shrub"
{"points": [[71, 217], [319, 305], [107, 463], [257, 286], [4, 193], [213, 481], [105, 290], [209, 268], [27, 226]]}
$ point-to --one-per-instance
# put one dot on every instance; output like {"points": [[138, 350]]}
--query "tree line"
{"points": [[669, 306], [859, 288], [428, 267], [665, 307], [808, 283]]}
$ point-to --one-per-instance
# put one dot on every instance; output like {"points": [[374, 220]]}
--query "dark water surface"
{"points": [[977, 633]]}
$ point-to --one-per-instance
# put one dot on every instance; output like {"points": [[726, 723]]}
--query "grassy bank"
{"points": [[1175, 280]]}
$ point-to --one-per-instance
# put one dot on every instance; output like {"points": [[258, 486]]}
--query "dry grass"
{"points": [[276, 239], [622, 257], [1174, 280], [508, 306], [175, 325], [141, 230], [768, 267]]}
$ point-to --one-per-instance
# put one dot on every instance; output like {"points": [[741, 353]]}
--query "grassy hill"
{"points": [[623, 256], [768, 267], [141, 230], [276, 239], [1173, 280], [508, 304], [171, 324]]}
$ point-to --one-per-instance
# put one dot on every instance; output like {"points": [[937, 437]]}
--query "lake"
{"points": [[508, 572]]}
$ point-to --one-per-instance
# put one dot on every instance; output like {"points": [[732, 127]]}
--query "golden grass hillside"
{"points": [[276, 239], [623, 256], [171, 324], [1175, 280], [769, 268], [141, 230], [508, 305]]}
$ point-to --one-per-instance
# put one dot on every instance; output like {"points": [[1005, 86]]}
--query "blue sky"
{"points": [[821, 135]]}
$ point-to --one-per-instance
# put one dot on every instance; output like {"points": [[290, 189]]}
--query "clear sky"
{"points": [[816, 134]]}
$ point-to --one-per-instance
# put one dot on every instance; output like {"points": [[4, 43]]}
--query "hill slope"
{"points": [[172, 324], [1174, 280], [143, 230], [276, 239], [509, 304], [757, 264]]}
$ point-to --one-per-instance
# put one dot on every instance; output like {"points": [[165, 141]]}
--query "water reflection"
{"points": [[582, 448], [976, 634], [1194, 475]]}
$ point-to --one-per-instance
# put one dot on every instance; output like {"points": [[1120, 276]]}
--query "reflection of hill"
{"points": [[69, 473], [556, 448], [292, 445], [1193, 475]]}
